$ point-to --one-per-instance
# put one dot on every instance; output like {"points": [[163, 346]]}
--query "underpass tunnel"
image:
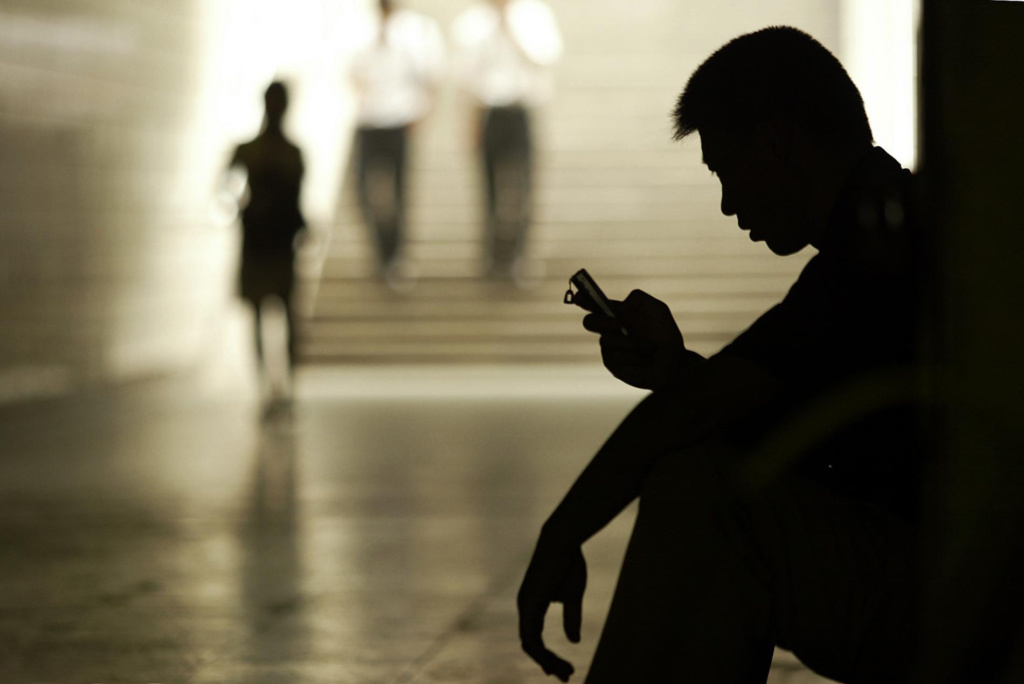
{"points": [[160, 521], [120, 244]]}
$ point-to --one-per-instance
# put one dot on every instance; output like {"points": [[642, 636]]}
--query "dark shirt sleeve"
{"points": [[846, 316], [846, 324], [843, 345], [805, 338]]}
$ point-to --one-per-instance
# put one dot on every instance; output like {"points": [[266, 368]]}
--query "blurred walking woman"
{"points": [[271, 219]]}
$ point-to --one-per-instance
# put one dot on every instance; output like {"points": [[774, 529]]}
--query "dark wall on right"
{"points": [[972, 169]]}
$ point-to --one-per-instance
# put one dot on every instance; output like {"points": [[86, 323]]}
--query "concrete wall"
{"points": [[108, 265], [116, 117]]}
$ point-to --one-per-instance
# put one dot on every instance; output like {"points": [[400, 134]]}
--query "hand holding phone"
{"points": [[585, 284], [651, 353]]}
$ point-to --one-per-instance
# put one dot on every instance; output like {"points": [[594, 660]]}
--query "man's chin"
{"points": [[783, 249]]}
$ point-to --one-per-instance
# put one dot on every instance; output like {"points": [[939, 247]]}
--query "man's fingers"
{"points": [[641, 307], [533, 645], [548, 661], [599, 323], [572, 599], [626, 349], [552, 576], [560, 668], [531, 618], [572, 617], [584, 300], [638, 300], [531, 628]]}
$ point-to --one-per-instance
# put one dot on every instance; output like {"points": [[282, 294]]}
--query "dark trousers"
{"points": [[715, 577], [507, 162], [380, 168]]}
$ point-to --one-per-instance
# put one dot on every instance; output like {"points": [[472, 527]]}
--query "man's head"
{"points": [[276, 100], [781, 124]]}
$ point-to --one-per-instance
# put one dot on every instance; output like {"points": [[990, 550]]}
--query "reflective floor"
{"points": [[376, 532]]}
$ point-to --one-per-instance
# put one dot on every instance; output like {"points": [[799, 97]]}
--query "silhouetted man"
{"points": [[506, 51], [271, 220], [777, 479], [397, 76]]}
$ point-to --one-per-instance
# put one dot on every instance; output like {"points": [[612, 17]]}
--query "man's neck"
{"points": [[275, 131], [830, 179]]}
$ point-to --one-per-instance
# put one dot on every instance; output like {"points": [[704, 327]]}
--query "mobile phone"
{"points": [[584, 282]]}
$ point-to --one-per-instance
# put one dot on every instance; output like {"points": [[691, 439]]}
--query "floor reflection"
{"points": [[153, 538], [271, 568]]}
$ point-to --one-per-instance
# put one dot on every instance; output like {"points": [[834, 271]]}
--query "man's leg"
{"points": [[689, 605], [509, 161], [489, 151], [392, 193], [364, 154], [713, 579], [519, 190], [401, 143], [845, 579], [375, 189], [291, 330]]}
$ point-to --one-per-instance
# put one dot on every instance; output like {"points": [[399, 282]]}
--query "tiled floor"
{"points": [[161, 533]]}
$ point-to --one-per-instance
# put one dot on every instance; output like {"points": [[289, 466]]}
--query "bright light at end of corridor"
{"points": [[879, 50], [247, 44]]}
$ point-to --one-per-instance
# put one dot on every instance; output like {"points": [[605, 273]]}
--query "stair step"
{"points": [[331, 308], [599, 267], [613, 193], [718, 229], [472, 351], [471, 288]]}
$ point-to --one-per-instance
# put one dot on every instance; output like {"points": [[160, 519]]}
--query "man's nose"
{"points": [[727, 206]]}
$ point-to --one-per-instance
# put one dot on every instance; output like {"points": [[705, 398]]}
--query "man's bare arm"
{"points": [[709, 397]]}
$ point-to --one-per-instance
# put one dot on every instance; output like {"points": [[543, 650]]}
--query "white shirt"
{"points": [[508, 66], [398, 74]]}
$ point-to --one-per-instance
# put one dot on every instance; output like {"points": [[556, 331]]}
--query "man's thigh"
{"points": [[841, 572], [843, 578], [715, 572]]}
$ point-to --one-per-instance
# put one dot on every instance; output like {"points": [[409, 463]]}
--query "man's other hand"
{"points": [[556, 574], [651, 354]]}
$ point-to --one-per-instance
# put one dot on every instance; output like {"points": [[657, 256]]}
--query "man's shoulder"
{"points": [[883, 196], [243, 151], [874, 230], [531, 15], [474, 23], [411, 20]]}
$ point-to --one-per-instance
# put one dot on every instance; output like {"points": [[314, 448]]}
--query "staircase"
{"points": [[613, 194]]}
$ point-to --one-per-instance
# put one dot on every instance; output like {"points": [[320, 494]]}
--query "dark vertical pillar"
{"points": [[972, 168]]}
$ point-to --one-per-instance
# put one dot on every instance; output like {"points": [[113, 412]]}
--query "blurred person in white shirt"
{"points": [[506, 49], [396, 76]]}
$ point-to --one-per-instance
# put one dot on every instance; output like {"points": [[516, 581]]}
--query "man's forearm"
{"points": [[616, 475], [710, 396], [688, 361]]}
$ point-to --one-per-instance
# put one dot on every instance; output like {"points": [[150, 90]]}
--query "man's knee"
{"points": [[697, 477]]}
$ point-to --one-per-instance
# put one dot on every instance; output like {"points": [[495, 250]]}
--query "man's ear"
{"points": [[776, 139]]}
